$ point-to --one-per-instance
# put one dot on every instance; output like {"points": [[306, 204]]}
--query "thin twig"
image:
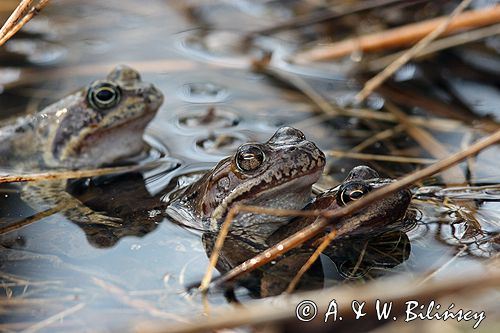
{"points": [[16, 21], [378, 79], [137, 304], [15, 17], [384, 135], [438, 45], [312, 259], [377, 157], [217, 248], [32, 219], [430, 275], [453, 175], [53, 175], [52, 319]]}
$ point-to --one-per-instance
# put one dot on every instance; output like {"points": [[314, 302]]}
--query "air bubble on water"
{"points": [[135, 247], [375, 102], [154, 212]]}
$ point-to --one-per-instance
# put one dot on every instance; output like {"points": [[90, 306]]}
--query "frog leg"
{"points": [[53, 193]]}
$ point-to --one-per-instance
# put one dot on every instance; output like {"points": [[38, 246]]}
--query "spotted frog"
{"points": [[97, 125], [276, 174]]}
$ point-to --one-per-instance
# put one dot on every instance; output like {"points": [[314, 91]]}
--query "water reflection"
{"points": [[353, 258]]}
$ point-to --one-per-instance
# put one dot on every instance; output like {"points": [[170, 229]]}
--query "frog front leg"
{"points": [[50, 194]]}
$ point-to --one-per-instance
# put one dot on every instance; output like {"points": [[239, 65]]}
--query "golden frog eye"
{"points": [[351, 191], [103, 95], [249, 158]]}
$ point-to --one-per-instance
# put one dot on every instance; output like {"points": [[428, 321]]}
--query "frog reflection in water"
{"points": [[277, 174], [98, 125], [377, 244]]}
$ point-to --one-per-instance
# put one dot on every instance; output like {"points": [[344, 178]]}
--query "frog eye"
{"points": [[351, 191], [103, 95], [249, 158]]}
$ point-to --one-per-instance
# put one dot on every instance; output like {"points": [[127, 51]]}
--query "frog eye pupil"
{"points": [[351, 191], [356, 194], [249, 158], [103, 95]]}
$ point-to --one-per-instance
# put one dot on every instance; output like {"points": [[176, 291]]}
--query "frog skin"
{"points": [[276, 174], [97, 125]]}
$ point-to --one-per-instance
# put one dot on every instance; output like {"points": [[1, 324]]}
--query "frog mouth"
{"points": [[105, 145]]}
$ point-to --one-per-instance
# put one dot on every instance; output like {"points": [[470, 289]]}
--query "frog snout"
{"points": [[153, 97]]}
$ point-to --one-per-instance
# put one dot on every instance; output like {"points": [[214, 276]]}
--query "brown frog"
{"points": [[373, 219], [276, 174], [379, 231], [97, 125]]}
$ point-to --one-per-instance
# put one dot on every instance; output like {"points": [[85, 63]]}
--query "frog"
{"points": [[373, 219], [381, 228], [100, 124], [278, 173]]}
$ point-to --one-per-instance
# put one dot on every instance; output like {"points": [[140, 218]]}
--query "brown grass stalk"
{"points": [[441, 28], [400, 36], [67, 174], [19, 18]]}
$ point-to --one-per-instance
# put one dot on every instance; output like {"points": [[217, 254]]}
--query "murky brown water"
{"points": [[109, 280]]}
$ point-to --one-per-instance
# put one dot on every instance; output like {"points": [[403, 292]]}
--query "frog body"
{"points": [[100, 124]]}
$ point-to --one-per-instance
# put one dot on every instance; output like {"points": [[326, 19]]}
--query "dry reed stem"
{"points": [[312, 259], [453, 175], [219, 242], [443, 26], [334, 215], [17, 20], [14, 18], [377, 157], [55, 318], [214, 257], [137, 304], [53, 175], [438, 45], [380, 136], [400, 36], [31, 219], [430, 275]]}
